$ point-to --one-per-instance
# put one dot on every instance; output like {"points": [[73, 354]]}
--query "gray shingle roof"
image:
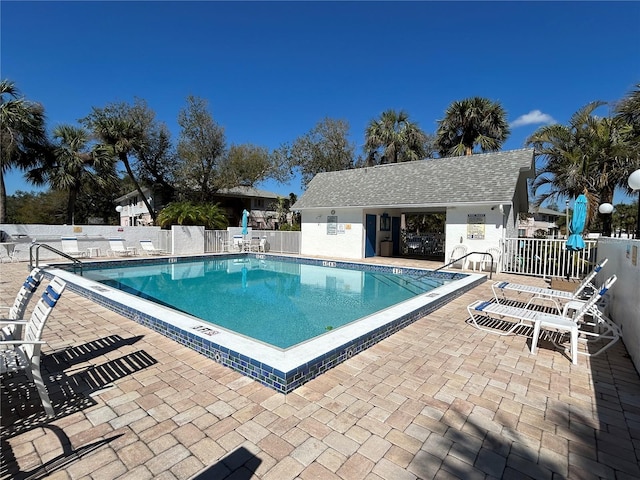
{"points": [[481, 178], [247, 192]]}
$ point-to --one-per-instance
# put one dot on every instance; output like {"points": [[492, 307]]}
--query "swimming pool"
{"points": [[282, 366], [269, 300]]}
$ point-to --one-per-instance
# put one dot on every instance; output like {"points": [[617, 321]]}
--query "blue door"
{"points": [[370, 242], [395, 235]]}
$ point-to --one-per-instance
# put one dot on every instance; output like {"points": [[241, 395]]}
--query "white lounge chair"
{"points": [[70, 247], [24, 354], [541, 320], [546, 294], [16, 311], [117, 247], [150, 249]]}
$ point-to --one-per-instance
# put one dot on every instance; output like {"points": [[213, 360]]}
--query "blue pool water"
{"points": [[276, 302]]}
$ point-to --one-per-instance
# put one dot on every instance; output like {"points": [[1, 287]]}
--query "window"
{"points": [[385, 222]]}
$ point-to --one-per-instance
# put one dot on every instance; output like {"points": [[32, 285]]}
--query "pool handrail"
{"points": [[465, 256], [32, 264]]}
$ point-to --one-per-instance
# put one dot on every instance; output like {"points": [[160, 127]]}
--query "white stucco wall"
{"points": [[624, 305], [187, 240], [316, 241], [87, 235], [457, 230]]}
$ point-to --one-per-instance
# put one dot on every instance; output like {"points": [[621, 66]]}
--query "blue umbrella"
{"points": [[575, 242], [245, 219]]}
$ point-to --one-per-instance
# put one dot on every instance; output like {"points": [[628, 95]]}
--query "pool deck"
{"points": [[439, 399]]}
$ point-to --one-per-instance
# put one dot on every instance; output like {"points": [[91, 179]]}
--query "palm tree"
{"points": [[22, 135], [122, 130], [189, 213], [628, 111], [74, 168], [469, 123], [591, 155], [399, 139]]}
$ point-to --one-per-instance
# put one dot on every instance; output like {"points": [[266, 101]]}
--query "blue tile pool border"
{"points": [[281, 381]]}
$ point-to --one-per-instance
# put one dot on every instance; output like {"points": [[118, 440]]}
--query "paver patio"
{"points": [[439, 399]]}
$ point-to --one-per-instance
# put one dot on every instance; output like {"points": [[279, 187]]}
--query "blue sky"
{"points": [[272, 70]]}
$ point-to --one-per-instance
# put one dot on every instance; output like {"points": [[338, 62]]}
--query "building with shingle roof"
{"points": [[343, 211]]}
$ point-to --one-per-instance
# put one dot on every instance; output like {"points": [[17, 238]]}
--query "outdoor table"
{"points": [[93, 252]]}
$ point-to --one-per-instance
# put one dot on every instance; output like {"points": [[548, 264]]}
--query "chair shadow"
{"points": [[9, 467], [20, 406], [240, 464]]}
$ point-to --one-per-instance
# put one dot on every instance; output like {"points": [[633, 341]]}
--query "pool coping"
{"points": [[281, 369]]}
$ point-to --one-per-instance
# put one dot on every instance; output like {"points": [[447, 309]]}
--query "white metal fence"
{"points": [[547, 258], [217, 241]]}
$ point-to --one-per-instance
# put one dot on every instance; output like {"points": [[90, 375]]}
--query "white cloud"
{"points": [[532, 118]]}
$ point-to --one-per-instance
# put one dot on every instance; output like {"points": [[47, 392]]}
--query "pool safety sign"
{"points": [[475, 226], [332, 225]]}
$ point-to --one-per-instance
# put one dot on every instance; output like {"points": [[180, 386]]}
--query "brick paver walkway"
{"points": [[440, 399]]}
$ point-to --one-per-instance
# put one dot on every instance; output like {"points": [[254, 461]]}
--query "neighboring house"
{"points": [[259, 204], [539, 219], [133, 212], [350, 213]]}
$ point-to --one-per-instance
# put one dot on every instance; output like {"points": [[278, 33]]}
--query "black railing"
{"points": [[32, 263], [465, 256]]}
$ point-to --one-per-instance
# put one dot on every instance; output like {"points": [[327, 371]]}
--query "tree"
{"points": [[325, 148], [469, 123], [243, 165], [158, 162], [189, 213], [628, 111], [201, 148], [45, 208], [73, 168], [624, 218], [124, 131], [22, 135], [393, 138], [592, 155]]}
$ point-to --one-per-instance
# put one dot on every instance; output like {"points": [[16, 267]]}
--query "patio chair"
{"points": [[25, 354], [150, 249], [547, 294], [70, 247], [117, 247], [254, 244], [238, 243], [457, 253], [541, 320], [17, 310], [485, 264]]}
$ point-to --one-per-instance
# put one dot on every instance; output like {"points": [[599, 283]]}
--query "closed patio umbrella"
{"points": [[245, 220], [575, 243]]}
